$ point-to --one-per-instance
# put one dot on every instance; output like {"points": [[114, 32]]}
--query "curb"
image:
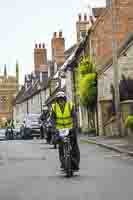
{"points": [[110, 147]]}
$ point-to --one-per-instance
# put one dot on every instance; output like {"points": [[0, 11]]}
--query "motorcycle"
{"points": [[9, 134], [64, 137], [53, 140], [43, 129]]}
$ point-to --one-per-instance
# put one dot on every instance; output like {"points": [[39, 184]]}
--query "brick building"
{"points": [[40, 61]]}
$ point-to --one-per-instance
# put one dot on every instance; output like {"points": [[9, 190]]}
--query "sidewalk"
{"points": [[121, 145]]}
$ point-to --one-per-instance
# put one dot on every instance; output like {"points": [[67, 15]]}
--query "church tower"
{"points": [[17, 75], [5, 71]]}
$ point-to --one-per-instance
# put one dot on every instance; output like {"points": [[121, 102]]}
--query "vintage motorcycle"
{"points": [[64, 138]]}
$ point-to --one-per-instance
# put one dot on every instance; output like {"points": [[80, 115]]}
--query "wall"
{"points": [[101, 36], [34, 104]]}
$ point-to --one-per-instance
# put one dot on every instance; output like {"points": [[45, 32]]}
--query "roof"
{"points": [[69, 51], [97, 11], [26, 93], [73, 58]]}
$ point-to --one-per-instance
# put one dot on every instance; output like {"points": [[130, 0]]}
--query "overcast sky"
{"points": [[24, 22]]}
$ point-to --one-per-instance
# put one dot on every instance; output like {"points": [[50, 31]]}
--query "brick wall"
{"points": [[40, 58], [58, 48], [101, 36]]}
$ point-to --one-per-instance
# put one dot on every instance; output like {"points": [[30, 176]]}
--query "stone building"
{"points": [[107, 124], [9, 86]]}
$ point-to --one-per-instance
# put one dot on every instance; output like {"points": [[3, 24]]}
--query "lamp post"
{"points": [[40, 94], [41, 100], [115, 69]]}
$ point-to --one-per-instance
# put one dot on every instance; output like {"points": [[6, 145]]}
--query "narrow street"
{"points": [[29, 170]]}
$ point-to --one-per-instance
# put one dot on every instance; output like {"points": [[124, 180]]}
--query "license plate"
{"points": [[64, 132]]}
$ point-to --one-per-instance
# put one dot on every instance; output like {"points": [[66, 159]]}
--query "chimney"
{"points": [[85, 17], [40, 58], [82, 27], [58, 48], [60, 34], [79, 17], [43, 46], [55, 34]]}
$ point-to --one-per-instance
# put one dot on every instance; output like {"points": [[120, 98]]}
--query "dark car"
{"points": [[31, 126]]}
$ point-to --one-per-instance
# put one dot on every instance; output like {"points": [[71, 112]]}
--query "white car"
{"points": [[31, 126], [2, 134]]}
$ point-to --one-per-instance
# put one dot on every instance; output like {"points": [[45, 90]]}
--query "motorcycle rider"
{"points": [[45, 119], [9, 125], [64, 116]]}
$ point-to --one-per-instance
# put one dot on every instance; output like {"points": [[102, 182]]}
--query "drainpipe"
{"points": [[27, 106], [41, 100], [97, 122]]}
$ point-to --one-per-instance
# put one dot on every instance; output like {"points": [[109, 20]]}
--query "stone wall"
{"points": [[125, 65], [110, 128]]}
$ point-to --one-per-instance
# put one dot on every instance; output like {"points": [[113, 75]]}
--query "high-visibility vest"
{"points": [[63, 119]]}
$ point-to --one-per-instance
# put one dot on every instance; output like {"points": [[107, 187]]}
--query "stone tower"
{"points": [[58, 48], [40, 58], [17, 75], [82, 26]]}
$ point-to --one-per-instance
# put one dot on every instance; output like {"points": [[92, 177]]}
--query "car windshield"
{"points": [[34, 118]]}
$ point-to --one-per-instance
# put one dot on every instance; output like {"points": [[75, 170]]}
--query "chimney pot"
{"points": [[55, 34], [92, 20], [79, 17], [43, 46], [36, 46], [85, 17], [60, 34], [40, 45]]}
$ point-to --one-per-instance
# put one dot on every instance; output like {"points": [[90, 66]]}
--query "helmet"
{"points": [[60, 94], [45, 107]]}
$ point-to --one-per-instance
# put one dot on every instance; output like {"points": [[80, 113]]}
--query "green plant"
{"points": [[88, 87], [129, 122], [86, 66], [91, 130], [88, 90]]}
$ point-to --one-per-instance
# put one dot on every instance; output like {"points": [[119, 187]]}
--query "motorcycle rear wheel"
{"points": [[69, 171]]}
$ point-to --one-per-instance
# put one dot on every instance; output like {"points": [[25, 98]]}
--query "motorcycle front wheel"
{"points": [[68, 162]]}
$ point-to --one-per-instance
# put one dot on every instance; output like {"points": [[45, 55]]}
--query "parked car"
{"points": [[31, 126], [2, 134], [17, 131]]}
